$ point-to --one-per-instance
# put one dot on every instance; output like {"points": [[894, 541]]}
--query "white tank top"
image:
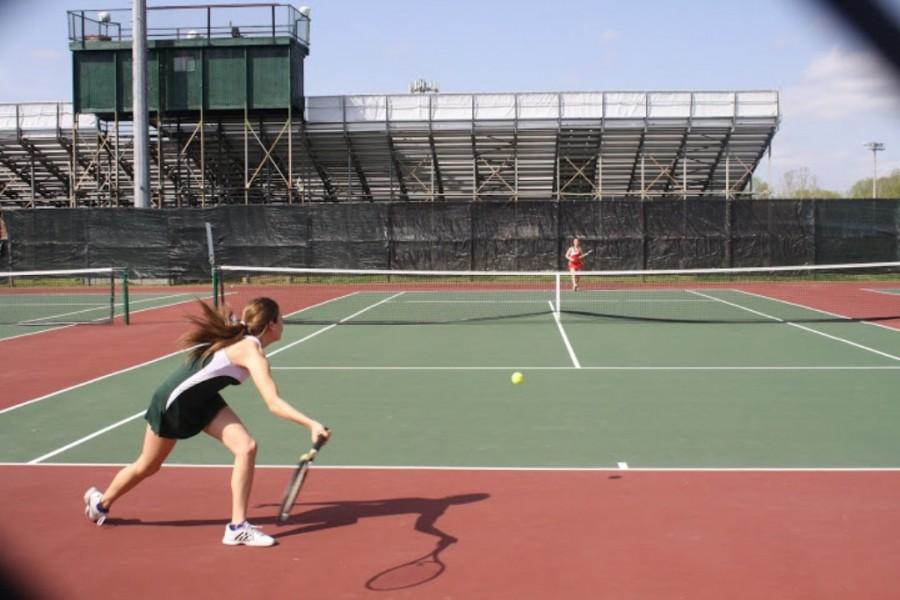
{"points": [[218, 366]]}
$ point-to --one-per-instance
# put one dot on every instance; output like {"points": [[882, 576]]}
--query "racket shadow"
{"points": [[413, 573], [420, 570]]}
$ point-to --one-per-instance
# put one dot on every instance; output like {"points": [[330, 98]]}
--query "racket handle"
{"points": [[321, 441]]}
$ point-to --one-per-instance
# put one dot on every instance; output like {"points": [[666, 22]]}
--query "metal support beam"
{"points": [[330, 193], [435, 164], [723, 151], [15, 170], [398, 171], [638, 164], [357, 168]]}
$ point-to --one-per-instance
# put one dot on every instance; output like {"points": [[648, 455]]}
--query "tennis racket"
{"points": [[586, 253], [296, 482]]}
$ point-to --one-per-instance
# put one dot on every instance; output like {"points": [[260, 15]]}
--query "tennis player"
{"points": [[223, 352], [574, 255]]}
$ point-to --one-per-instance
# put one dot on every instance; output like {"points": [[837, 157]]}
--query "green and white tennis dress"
{"points": [[189, 399]]}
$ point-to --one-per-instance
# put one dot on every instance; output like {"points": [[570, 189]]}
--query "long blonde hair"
{"points": [[214, 330]]}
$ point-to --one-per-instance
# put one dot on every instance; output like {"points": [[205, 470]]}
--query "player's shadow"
{"points": [[341, 513], [327, 515]]}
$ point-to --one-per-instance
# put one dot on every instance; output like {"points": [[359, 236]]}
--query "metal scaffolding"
{"points": [[410, 147]]}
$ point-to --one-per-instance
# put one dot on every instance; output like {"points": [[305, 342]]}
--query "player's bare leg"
{"points": [[228, 429], [153, 455]]}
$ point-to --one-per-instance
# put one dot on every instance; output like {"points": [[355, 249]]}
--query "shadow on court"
{"points": [[343, 513]]}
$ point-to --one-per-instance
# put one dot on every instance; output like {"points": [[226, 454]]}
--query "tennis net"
{"points": [[851, 292], [59, 297]]}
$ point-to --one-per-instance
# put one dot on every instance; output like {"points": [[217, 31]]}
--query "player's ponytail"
{"points": [[214, 330]]}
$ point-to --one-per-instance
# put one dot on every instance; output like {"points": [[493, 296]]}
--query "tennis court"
{"points": [[36, 301], [672, 438]]}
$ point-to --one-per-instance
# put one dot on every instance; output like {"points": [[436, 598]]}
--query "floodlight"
{"points": [[104, 17], [304, 10], [875, 147]]}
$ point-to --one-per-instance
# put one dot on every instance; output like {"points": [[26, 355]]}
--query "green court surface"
{"points": [[800, 392], [29, 313]]}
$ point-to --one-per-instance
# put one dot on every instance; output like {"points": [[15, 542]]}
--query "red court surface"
{"points": [[49, 361], [519, 534]]}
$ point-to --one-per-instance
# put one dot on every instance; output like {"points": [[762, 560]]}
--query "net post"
{"points": [[112, 296], [557, 281], [216, 278], [126, 312]]}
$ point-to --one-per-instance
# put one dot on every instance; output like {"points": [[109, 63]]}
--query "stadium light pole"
{"points": [[875, 147], [139, 105]]}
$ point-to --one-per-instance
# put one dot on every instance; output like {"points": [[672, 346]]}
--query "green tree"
{"points": [[888, 187], [761, 188], [801, 183]]}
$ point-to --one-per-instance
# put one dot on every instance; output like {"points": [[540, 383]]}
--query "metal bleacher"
{"points": [[407, 147]]}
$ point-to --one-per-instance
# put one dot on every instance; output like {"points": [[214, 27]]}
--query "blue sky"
{"points": [[835, 92]]}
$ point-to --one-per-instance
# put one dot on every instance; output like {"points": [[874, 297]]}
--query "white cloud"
{"points": [[45, 54], [608, 36], [841, 84]]}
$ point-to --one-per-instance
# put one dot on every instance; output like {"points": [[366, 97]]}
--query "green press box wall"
{"points": [[190, 75]]}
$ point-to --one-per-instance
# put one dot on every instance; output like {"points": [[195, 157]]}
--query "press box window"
{"points": [[184, 64]]}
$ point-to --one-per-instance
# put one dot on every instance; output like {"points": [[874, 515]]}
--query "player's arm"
{"points": [[248, 355]]}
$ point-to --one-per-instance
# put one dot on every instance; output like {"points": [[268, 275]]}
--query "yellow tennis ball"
{"points": [[517, 378]]}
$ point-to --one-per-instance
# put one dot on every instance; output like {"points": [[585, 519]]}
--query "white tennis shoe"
{"points": [[92, 498], [248, 535]]}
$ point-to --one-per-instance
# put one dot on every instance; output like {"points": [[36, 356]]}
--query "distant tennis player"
{"points": [[574, 256], [222, 352]]}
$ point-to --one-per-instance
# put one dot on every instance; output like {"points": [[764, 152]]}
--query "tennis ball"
{"points": [[517, 378]]}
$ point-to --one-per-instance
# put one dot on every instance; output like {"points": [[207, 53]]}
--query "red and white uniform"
{"points": [[574, 257]]}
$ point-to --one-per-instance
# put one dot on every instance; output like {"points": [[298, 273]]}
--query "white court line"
{"points": [[567, 302], [798, 326], [322, 303], [86, 438], [565, 338], [333, 325], [131, 312], [69, 304], [94, 308], [186, 296], [131, 418], [615, 469], [824, 312], [58, 295], [535, 301], [90, 381], [186, 300], [49, 328], [599, 368], [884, 291]]}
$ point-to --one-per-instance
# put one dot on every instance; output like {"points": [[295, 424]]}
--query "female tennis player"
{"points": [[574, 255], [222, 352]]}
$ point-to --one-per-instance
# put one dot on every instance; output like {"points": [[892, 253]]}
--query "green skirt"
{"points": [[183, 419]]}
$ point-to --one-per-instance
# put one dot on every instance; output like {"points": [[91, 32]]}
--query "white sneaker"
{"points": [[248, 535], [92, 498]]}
